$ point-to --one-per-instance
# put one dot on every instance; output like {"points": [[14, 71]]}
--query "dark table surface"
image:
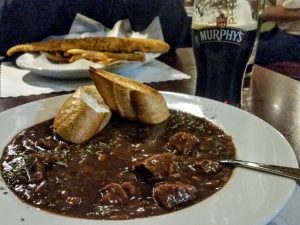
{"points": [[273, 97]]}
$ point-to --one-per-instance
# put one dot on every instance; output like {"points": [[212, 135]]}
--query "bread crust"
{"points": [[130, 99], [77, 121], [123, 101], [104, 44]]}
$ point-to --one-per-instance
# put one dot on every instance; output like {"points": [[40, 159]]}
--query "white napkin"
{"points": [[17, 82]]}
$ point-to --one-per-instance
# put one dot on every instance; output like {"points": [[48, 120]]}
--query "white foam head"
{"points": [[238, 17]]}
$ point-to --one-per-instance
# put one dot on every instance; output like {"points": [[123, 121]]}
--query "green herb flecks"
{"points": [[18, 169], [189, 121], [62, 163], [95, 148], [61, 153]]}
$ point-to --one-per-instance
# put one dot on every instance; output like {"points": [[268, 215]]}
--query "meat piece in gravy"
{"points": [[171, 194], [208, 167], [156, 167], [131, 188], [113, 194], [40, 165], [182, 143]]}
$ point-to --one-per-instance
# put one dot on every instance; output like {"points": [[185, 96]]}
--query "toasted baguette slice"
{"points": [[104, 44], [130, 99], [83, 115]]}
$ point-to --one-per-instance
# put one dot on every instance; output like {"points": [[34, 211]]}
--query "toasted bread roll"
{"points": [[130, 99], [104, 44], [83, 115]]}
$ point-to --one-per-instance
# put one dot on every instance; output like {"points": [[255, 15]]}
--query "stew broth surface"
{"points": [[128, 170]]}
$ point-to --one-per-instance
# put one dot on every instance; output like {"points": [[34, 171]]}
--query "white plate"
{"points": [[291, 4], [39, 64], [249, 198]]}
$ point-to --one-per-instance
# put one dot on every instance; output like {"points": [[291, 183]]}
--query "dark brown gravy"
{"points": [[129, 170]]}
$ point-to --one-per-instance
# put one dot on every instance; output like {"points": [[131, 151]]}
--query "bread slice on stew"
{"points": [[83, 115], [130, 99]]}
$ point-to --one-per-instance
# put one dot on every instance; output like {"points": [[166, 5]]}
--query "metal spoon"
{"points": [[289, 172]]}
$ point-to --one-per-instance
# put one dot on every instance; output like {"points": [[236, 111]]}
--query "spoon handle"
{"points": [[293, 173]]}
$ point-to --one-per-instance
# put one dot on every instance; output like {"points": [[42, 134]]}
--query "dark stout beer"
{"points": [[224, 33], [221, 56]]}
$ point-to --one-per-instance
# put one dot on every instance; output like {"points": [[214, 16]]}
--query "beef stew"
{"points": [[129, 170]]}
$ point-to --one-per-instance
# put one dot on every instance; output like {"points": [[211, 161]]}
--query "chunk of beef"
{"points": [[113, 194], [37, 172], [182, 143], [170, 195], [155, 167], [131, 188], [208, 167], [41, 164]]}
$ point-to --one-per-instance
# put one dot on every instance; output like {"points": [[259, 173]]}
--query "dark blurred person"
{"points": [[282, 43]]}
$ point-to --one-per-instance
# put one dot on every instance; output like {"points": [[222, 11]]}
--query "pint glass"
{"points": [[223, 34]]}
